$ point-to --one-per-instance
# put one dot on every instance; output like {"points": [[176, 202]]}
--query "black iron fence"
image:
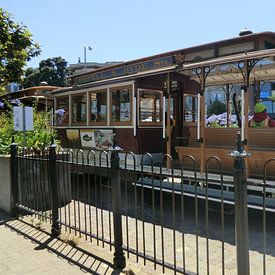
{"points": [[177, 219]]}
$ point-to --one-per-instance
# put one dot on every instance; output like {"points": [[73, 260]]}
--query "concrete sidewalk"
{"points": [[27, 249]]}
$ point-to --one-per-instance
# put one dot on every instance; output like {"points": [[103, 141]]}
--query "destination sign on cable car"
{"points": [[125, 70]]}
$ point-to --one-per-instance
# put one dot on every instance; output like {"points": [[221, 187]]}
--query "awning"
{"points": [[224, 70]]}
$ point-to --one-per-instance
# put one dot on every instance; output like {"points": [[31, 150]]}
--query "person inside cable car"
{"points": [[260, 118]]}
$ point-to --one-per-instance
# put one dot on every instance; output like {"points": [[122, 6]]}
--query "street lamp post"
{"points": [[85, 51]]}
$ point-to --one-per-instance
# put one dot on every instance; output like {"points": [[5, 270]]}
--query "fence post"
{"points": [[14, 178], [119, 258], [241, 211], [55, 231]]}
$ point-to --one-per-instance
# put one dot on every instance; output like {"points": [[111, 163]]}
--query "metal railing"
{"points": [[175, 218]]}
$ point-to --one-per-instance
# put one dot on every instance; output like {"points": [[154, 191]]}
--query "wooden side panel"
{"points": [[219, 137], [258, 138], [214, 137], [255, 163], [192, 141], [150, 140], [126, 140], [222, 154], [261, 138]]}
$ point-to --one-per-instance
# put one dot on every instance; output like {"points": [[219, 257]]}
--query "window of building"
{"points": [[150, 107], [98, 107], [79, 103], [121, 101], [62, 111]]}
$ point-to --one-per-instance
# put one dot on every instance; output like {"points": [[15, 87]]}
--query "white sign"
{"points": [[87, 138], [124, 111], [23, 118]]}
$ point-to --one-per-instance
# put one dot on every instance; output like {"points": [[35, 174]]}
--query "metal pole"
{"points": [[163, 119], [24, 127], [14, 178], [241, 212], [55, 231], [119, 258], [168, 123], [85, 64], [202, 121], [227, 94]]}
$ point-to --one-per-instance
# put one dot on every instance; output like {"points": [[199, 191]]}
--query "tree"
{"points": [[16, 48], [52, 70], [216, 108]]}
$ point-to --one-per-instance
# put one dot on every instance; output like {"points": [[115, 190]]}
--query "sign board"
{"points": [[23, 118], [125, 70], [73, 138], [101, 139]]}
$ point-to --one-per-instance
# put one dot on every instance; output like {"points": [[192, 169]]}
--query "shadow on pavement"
{"points": [[85, 260]]}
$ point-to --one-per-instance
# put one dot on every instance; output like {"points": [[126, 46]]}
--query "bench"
{"points": [[221, 141]]}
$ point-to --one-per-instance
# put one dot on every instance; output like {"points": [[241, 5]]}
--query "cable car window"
{"points": [[62, 111], [121, 100], [98, 107], [150, 107], [79, 103]]}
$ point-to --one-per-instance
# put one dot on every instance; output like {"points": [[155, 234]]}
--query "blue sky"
{"points": [[123, 30]]}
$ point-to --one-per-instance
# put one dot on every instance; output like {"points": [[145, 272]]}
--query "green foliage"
{"points": [[216, 124], [2, 90], [272, 98], [16, 48], [52, 70], [216, 108], [6, 132], [40, 137]]}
